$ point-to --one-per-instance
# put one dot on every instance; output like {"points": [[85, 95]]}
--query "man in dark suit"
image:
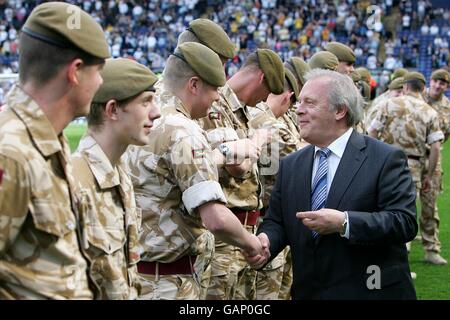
{"points": [[345, 204]]}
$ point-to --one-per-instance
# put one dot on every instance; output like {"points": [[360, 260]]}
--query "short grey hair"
{"points": [[176, 73], [342, 93]]}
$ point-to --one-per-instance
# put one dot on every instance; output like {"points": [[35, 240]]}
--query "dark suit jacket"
{"points": [[373, 184]]}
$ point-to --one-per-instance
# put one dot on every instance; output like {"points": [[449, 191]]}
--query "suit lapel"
{"points": [[351, 161], [303, 188], [303, 180]]}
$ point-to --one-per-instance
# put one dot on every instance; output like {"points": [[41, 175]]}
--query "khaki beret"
{"points": [[414, 75], [323, 60], [67, 26], [397, 84], [366, 90], [356, 77], [203, 61], [398, 73], [341, 51], [441, 74], [292, 81], [300, 67], [273, 69], [213, 36], [365, 74], [123, 79]]}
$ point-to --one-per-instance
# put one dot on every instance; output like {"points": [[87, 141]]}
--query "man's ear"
{"points": [[73, 70], [261, 77], [341, 112], [193, 85], [111, 109]]}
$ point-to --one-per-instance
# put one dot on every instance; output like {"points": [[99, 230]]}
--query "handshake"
{"points": [[257, 254]]}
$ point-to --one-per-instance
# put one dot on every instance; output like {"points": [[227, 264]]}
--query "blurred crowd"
{"points": [[385, 37]]}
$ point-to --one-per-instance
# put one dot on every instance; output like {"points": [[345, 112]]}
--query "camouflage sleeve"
{"points": [[220, 135], [379, 120], [283, 141], [195, 172], [434, 133], [14, 197]]}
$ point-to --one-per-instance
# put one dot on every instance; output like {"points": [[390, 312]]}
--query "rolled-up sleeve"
{"points": [[195, 172], [201, 193]]}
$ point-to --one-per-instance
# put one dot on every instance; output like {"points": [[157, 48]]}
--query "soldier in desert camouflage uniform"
{"points": [[176, 181], [122, 114], [411, 124], [267, 115], [395, 90], [40, 204], [262, 73], [212, 35], [436, 98]]}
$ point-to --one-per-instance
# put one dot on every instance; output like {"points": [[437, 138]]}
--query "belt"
{"points": [[248, 218], [184, 265], [414, 157]]}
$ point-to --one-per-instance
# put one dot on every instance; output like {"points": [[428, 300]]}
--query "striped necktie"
{"points": [[319, 191]]}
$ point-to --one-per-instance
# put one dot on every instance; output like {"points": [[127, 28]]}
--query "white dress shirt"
{"points": [[337, 148]]}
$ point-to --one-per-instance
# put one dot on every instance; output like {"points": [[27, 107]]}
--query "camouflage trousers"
{"points": [[231, 276], [269, 282], [429, 216], [286, 283], [169, 287], [182, 287]]}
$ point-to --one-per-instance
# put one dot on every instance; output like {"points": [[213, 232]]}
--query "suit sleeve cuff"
{"points": [[347, 229], [201, 193]]}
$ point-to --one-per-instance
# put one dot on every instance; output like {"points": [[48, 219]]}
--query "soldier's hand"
{"points": [[244, 149], [261, 258], [277, 100]]}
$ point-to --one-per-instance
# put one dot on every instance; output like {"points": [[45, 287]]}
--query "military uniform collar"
{"points": [[415, 95], [180, 107], [106, 176], [231, 98], [40, 129]]}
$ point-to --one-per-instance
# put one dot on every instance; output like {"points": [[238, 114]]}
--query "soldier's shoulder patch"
{"points": [[198, 153], [1, 176], [214, 115]]}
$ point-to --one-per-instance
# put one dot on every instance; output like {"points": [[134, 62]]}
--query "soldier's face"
{"points": [[315, 119], [345, 68], [90, 80], [137, 118], [260, 94], [437, 88], [205, 98]]}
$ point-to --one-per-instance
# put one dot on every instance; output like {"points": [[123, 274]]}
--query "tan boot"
{"points": [[434, 258]]}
